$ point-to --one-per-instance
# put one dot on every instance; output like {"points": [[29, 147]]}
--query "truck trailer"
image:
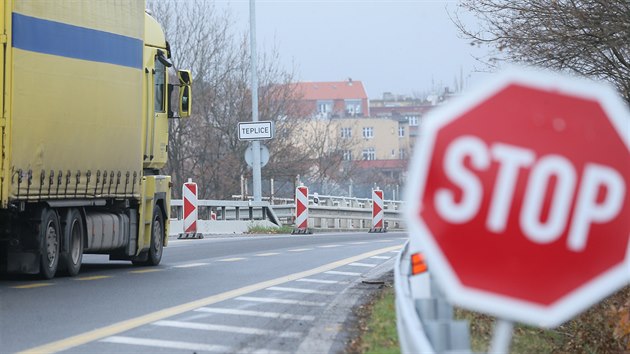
{"points": [[86, 96]]}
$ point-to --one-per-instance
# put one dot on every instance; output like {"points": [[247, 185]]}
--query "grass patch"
{"points": [[602, 329], [257, 229], [598, 330], [525, 339], [379, 334]]}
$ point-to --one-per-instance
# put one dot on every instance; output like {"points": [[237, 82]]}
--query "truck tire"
{"points": [[157, 237], [49, 234], [73, 234]]}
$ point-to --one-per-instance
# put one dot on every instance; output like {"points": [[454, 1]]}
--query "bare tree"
{"points": [[205, 147], [586, 37]]}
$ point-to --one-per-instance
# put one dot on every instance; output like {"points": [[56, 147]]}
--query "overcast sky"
{"points": [[398, 46]]}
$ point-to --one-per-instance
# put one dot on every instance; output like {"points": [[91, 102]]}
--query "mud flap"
{"points": [[23, 262]]}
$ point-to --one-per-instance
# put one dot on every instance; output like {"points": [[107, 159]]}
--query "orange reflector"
{"points": [[417, 264]]}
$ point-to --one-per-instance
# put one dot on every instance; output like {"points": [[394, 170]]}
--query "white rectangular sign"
{"points": [[262, 130]]}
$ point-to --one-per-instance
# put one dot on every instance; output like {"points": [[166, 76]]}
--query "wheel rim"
{"points": [[75, 251], [51, 243], [157, 240]]}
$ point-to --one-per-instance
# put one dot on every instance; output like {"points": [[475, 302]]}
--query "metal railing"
{"points": [[227, 210], [325, 212], [425, 320]]}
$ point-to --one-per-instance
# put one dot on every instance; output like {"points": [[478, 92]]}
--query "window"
{"points": [[160, 83], [324, 108], [369, 154], [346, 132], [353, 108], [368, 132], [413, 120], [347, 155], [401, 132], [402, 154]]}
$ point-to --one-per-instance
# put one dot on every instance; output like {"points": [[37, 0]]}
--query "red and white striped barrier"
{"points": [[301, 211], [377, 212], [189, 193]]}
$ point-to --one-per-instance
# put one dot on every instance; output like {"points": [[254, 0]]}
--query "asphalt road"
{"points": [[263, 294]]}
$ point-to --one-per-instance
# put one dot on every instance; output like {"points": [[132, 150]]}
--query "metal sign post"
{"points": [[255, 144]]}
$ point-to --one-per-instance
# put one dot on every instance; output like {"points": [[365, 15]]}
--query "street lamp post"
{"points": [[256, 143]]}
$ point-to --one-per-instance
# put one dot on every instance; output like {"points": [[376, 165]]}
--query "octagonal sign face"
{"points": [[518, 194]]}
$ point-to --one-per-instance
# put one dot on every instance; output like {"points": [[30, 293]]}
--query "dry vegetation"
{"points": [[605, 328]]}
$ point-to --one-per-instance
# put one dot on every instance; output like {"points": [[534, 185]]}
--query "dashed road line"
{"points": [[236, 259], [272, 300], [300, 291], [142, 271], [95, 277], [135, 322], [381, 257], [319, 281], [265, 314], [358, 243], [334, 272], [31, 286], [191, 265], [300, 249], [328, 246], [367, 265], [267, 254], [225, 328], [170, 344]]}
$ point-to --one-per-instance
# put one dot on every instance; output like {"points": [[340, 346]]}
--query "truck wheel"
{"points": [[157, 238], [73, 232], [49, 235]]}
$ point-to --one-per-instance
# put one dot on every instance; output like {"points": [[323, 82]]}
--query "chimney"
{"points": [[349, 81]]}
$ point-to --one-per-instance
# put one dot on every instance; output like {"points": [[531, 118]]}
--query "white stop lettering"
{"points": [[512, 159]]}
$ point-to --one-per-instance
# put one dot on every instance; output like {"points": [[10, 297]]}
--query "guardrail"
{"points": [[425, 319], [223, 216], [325, 212]]}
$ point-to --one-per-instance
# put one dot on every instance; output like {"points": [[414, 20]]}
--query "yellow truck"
{"points": [[86, 96]]}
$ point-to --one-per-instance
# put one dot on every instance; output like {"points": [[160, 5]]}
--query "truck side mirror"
{"points": [[185, 93]]}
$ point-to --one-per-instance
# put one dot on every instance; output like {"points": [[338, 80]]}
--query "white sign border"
{"points": [[486, 302], [271, 130]]}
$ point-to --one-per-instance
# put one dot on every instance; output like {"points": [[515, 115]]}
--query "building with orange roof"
{"points": [[334, 99]]}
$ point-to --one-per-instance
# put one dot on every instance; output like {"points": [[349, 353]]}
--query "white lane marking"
{"points": [[135, 322], [301, 291], [267, 254], [284, 316], [191, 265], [319, 281], [383, 240], [396, 252], [272, 300], [380, 257], [329, 246], [357, 243], [300, 249], [261, 351], [224, 328], [167, 344], [357, 264], [342, 273], [231, 259]]}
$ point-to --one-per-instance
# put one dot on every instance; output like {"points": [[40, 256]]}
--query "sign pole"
{"points": [[502, 337], [255, 144]]}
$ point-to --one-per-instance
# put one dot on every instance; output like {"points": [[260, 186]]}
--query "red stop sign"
{"points": [[518, 194]]}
